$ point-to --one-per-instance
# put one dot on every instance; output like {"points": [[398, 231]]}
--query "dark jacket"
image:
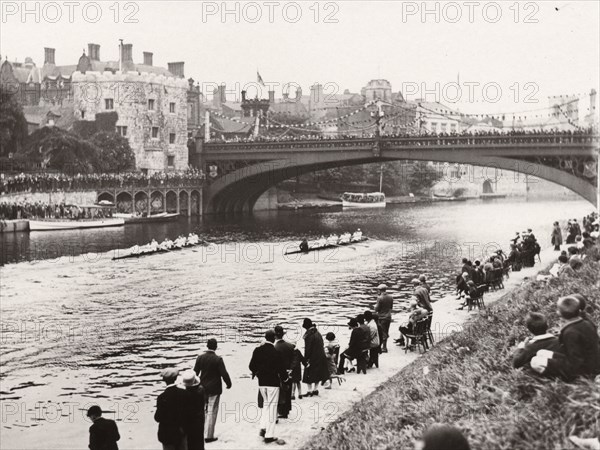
{"points": [[104, 435], [384, 306], [193, 417], [267, 364], [355, 346], [423, 297], [169, 415], [314, 355], [211, 369], [286, 350], [522, 356], [366, 336], [579, 340]]}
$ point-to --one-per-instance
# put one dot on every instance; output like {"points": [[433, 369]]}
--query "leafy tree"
{"points": [[115, 154], [13, 125], [61, 150]]}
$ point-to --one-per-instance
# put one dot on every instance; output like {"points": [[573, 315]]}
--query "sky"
{"points": [[505, 56]]}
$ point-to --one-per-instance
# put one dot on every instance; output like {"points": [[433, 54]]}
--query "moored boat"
{"points": [[363, 200], [70, 224], [161, 217], [87, 216]]}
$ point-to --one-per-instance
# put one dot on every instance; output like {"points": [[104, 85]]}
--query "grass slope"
{"points": [[471, 384]]}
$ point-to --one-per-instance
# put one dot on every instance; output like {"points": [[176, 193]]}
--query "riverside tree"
{"points": [[13, 125], [114, 152]]}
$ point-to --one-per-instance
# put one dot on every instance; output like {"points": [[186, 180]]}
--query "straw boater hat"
{"points": [[190, 378], [382, 287]]}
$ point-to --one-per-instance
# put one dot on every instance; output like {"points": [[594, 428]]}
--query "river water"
{"points": [[78, 327]]}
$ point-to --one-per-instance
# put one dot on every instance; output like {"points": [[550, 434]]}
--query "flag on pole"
{"points": [[259, 79]]}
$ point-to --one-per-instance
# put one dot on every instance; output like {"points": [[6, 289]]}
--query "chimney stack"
{"points": [[222, 94], [176, 68], [94, 52], [147, 58], [593, 94], [243, 96], [127, 53], [272, 97], [49, 55]]}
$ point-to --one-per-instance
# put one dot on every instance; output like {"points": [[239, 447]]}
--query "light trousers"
{"points": [[270, 395], [211, 412]]}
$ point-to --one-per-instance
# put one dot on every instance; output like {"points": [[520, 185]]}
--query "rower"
{"points": [[357, 236], [333, 239], [345, 238], [304, 246], [322, 242], [153, 245]]}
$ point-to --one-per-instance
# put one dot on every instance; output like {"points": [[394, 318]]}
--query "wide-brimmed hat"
{"points": [[189, 378], [382, 287], [307, 323]]}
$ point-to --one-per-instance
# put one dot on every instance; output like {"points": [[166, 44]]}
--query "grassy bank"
{"points": [[467, 380]]}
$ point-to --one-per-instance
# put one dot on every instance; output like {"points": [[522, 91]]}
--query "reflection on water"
{"points": [[83, 326]]}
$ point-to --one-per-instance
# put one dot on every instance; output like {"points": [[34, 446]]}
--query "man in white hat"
{"points": [[193, 420], [384, 308], [169, 413]]}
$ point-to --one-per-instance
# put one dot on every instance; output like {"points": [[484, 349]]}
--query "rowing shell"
{"points": [[160, 250], [325, 247]]}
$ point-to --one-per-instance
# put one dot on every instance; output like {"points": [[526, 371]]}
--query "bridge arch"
{"points": [[108, 196], [239, 190]]}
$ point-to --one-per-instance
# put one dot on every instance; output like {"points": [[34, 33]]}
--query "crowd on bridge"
{"points": [[508, 135], [53, 182]]}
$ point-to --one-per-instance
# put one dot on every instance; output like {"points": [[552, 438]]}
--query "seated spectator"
{"points": [[584, 308], [355, 348], [564, 268], [442, 437], [416, 313], [573, 254], [580, 354], [541, 340]]}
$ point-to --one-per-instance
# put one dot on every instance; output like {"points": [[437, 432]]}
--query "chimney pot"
{"points": [[127, 53], [49, 55], [148, 58], [176, 68], [94, 52]]}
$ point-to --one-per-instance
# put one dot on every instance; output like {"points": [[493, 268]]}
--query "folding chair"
{"points": [[418, 336]]}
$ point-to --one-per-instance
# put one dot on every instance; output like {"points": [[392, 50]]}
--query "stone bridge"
{"points": [[152, 200], [246, 170]]}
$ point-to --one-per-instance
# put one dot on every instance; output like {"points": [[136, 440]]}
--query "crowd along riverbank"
{"points": [[468, 381]]}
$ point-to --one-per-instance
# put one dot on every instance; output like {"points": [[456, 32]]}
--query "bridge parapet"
{"points": [[409, 141]]}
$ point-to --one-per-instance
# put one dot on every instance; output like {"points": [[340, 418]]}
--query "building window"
{"points": [[443, 127], [151, 104], [170, 161], [122, 130], [154, 132], [172, 108], [82, 114], [453, 127], [109, 103], [171, 138], [434, 126]]}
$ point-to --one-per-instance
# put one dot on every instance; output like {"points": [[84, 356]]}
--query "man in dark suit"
{"points": [[580, 355], [355, 348], [286, 350], [541, 340], [267, 364], [103, 432], [169, 413], [211, 369]]}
